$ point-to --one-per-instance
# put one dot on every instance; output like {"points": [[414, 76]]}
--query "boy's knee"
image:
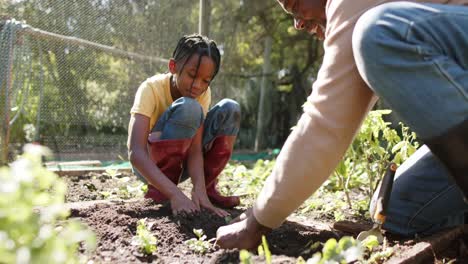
{"points": [[189, 111], [232, 112], [187, 105], [230, 106]]}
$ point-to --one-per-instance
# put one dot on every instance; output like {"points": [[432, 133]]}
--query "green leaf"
{"points": [[370, 242], [245, 257]]}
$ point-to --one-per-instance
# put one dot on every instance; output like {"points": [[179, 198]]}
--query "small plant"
{"points": [[370, 242], [199, 244], [346, 250], [384, 254], [34, 224], [227, 219], [375, 145], [144, 239], [264, 250], [240, 180], [130, 190], [364, 164], [245, 257], [113, 173]]}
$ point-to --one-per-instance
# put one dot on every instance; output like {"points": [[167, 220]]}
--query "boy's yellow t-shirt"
{"points": [[153, 97]]}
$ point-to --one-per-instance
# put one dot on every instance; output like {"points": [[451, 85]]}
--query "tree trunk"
{"points": [[261, 107], [204, 19]]}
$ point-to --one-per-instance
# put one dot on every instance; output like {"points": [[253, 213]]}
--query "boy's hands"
{"points": [[201, 200], [180, 203]]}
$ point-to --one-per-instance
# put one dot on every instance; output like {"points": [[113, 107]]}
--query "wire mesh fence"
{"points": [[69, 69]]}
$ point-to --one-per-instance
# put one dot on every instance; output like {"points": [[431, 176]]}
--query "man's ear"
{"points": [[172, 66]]}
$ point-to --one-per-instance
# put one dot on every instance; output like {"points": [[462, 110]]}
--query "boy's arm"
{"points": [[138, 155], [196, 172]]}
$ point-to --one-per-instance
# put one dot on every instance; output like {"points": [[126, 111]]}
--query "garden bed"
{"points": [[115, 223]]}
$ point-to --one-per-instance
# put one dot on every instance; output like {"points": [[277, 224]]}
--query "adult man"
{"points": [[411, 54]]}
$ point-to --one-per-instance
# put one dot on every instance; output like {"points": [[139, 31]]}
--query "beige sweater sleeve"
{"points": [[339, 102]]}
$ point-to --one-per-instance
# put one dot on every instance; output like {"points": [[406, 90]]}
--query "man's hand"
{"points": [[200, 199], [244, 232], [182, 204]]}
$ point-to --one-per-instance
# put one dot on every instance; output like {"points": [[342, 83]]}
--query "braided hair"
{"points": [[189, 45]]}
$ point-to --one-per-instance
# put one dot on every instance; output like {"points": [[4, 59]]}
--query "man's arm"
{"points": [[333, 113]]}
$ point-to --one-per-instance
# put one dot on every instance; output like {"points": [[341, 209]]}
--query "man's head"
{"points": [[308, 15]]}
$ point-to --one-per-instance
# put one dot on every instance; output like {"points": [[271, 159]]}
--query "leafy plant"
{"points": [[199, 244], [245, 257], [144, 239], [375, 145], [33, 218], [346, 250], [240, 180], [128, 191], [365, 161], [113, 173], [370, 242]]}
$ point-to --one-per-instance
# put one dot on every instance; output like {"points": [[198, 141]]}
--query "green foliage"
{"points": [[362, 167], [264, 250], [346, 250], [238, 179], [199, 244], [144, 239], [33, 219], [126, 190], [370, 242], [381, 256], [245, 257], [374, 147]]}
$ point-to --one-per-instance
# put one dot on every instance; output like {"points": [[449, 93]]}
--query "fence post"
{"points": [[204, 17], [261, 106], [6, 92]]}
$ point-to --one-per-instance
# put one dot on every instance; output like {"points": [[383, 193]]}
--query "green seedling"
{"points": [[228, 219], [105, 194], [381, 256], [263, 250], [199, 244], [370, 242], [346, 250], [113, 173], [245, 257], [144, 239]]}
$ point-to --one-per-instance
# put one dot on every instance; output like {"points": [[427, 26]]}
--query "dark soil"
{"points": [[93, 186], [115, 224]]}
